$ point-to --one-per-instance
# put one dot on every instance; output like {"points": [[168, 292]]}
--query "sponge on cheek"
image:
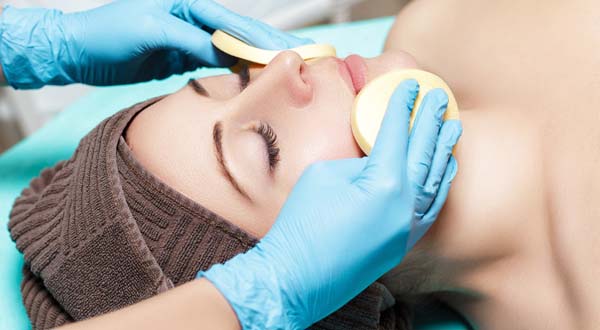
{"points": [[237, 48], [372, 102]]}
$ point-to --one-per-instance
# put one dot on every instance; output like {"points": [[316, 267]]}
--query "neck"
{"points": [[428, 270]]}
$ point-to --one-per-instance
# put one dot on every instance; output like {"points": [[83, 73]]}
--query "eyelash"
{"points": [[270, 138]]}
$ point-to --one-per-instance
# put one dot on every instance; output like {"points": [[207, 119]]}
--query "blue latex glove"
{"points": [[346, 222], [125, 41]]}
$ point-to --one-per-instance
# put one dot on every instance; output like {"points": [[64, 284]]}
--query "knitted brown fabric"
{"points": [[99, 232]]}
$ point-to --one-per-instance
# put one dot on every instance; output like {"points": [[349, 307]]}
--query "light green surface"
{"points": [[58, 140]]}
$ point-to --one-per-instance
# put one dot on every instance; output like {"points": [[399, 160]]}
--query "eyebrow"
{"points": [[244, 75], [197, 87], [218, 140]]}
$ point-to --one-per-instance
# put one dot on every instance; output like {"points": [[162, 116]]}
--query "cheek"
{"points": [[322, 142], [318, 132], [327, 131], [325, 138]]}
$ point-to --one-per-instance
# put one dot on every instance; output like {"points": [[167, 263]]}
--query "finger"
{"points": [[424, 135], [387, 160], [165, 63], [194, 42], [251, 31], [160, 64], [420, 227], [442, 195], [449, 135]]}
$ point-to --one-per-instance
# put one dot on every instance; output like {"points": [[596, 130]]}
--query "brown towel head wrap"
{"points": [[99, 232]]}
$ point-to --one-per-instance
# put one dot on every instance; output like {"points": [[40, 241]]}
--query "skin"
{"points": [[307, 105], [186, 116], [517, 242], [194, 305]]}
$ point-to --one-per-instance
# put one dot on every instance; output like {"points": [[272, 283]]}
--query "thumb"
{"points": [[387, 161]]}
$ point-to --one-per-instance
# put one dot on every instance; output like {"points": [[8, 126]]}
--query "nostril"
{"points": [[290, 73], [302, 70], [300, 85]]}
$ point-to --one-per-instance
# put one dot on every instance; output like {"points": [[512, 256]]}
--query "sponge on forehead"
{"points": [[372, 102], [239, 49]]}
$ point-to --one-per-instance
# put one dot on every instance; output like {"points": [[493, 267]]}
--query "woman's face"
{"points": [[237, 144]]}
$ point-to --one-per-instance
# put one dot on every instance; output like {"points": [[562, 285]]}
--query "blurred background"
{"points": [[23, 112]]}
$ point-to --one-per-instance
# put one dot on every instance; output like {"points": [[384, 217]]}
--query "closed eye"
{"points": [[270, 137]]}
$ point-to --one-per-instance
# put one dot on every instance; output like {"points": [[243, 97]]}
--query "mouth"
{"points": [[353, 71], [358, 71]]}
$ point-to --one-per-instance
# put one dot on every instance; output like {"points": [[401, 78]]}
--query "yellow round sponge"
{"points": [[372, 102], [237, 48]]}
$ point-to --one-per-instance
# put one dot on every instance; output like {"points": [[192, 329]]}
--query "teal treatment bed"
{"points": [[59, 138]]}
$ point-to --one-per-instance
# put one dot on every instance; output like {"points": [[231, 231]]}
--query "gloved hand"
{"points": [[125, 41], [346, 222]]}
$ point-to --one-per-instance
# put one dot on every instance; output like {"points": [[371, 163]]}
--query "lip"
{"points": [[357, 67], [346, 74]]}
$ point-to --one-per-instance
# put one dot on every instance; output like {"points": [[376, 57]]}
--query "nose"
{"points": [[290, 76]]}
